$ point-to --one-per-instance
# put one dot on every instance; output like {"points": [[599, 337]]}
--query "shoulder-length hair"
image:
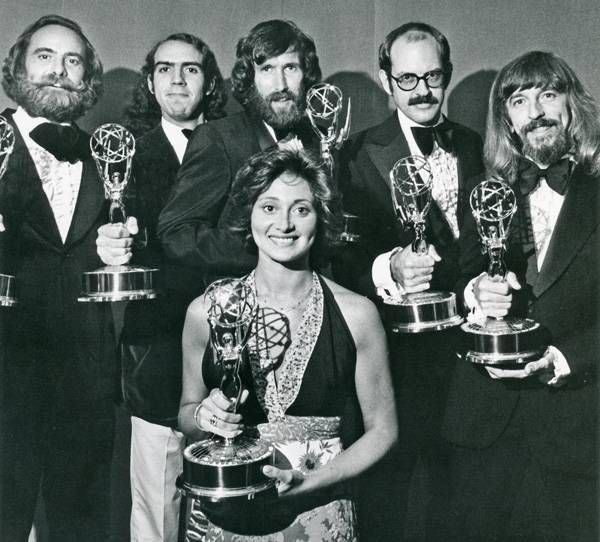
{"points": [[538, 69], [144, 112], [14, 63], [257, 175], [266, 40]]}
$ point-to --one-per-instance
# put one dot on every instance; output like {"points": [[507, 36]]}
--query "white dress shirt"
{"points": [[175, 136], [60, 180], [444, 168]]}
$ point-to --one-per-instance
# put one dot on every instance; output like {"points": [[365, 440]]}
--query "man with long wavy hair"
{"points": [[275, 65], [58, 374], [525, 460]]}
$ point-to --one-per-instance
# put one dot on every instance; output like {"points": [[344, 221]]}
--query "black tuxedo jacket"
{"points": [[364, 180], [150, 343], [561, 424], [61, 352], [193, 225]]}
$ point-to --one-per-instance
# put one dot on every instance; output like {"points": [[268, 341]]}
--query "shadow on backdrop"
{"points": [[369, 101], [468, 100], [118, 88]]}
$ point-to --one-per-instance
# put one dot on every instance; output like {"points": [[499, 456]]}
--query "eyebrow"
{"points": [[167, 63]]}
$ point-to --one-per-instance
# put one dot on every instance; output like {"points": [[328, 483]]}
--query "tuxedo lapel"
{"points": [[89, 203], [263, 137], [36, 211], [577, 220], [385, 147]]}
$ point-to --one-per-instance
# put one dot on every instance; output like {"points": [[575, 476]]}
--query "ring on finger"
{"points": [[213, 420]]}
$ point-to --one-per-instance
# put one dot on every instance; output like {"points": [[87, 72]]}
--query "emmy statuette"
{"points": [[220, 468], [113, 148], [324, 105], [411, 180], [499, 341], [7, 144]]}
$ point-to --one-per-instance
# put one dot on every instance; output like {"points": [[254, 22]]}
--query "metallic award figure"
{"points": [[7, 143], [324, 105], [498, 341], [219, 467], [113, 148], [411, 180]]}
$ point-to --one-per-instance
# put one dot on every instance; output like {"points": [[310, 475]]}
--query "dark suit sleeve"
{"points": [[193, 226]]}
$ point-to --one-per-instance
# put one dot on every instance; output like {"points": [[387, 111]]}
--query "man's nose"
{"points": [[59, 67], [178, 77], [280, 80], [535, 109]]}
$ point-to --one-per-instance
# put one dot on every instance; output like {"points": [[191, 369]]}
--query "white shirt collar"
{"points": [[406, 124], [175, 136]]}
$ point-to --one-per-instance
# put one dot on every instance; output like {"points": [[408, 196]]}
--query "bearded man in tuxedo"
{"points": [[524, 460], [58, 374]]}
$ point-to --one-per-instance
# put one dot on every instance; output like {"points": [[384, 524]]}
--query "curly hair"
{"points": [[537, 69], [415, 32], [258, 174], [144, 112], [14, 63], [266, 40]]}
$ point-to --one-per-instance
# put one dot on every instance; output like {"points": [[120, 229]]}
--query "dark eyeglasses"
{"points": [[409, 81]]}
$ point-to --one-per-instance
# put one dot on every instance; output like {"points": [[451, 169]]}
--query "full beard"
{"points": [[65, 103], [282, 119], [548, 149]]}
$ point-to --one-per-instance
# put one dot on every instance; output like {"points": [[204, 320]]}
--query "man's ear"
{"points": [[385, 82], [210, 88], [150, 84]]}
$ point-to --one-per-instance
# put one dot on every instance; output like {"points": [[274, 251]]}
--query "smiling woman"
{"points": [[316, 353]]}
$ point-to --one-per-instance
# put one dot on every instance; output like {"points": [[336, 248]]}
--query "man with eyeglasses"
{"points": [[415, 70]]}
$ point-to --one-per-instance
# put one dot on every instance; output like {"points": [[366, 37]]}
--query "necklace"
{"points": [[263, 300]]}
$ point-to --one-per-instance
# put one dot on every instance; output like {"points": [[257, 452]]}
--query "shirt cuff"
{"points": [[381, 274], [476, 315], [561, 366]]}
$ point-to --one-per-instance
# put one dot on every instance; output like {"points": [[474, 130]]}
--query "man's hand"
{"points": [[414, 271], [548, 369], [115, 241], [493, 294]]}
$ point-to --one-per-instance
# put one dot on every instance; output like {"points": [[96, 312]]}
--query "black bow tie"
{"points": [[425, 136], [186, 132], [557, 175], [66, 143]]}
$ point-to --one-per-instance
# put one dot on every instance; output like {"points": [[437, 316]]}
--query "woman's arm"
{"points": [[200, 411], [375, 395]]}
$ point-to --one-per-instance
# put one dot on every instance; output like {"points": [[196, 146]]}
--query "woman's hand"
{"points": [[287, 481], [213, 415]]}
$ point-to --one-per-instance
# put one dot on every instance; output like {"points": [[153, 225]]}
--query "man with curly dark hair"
{"points": [[58, 375], [275, 65], [181, 88]]}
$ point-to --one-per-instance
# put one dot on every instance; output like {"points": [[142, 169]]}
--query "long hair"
{"points": [[144, 112], [266, 40], [415, 32], [257, 175], [14, 63], [544, 70]]}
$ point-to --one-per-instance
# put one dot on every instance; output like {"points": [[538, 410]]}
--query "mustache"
{"points": [[426, 99], [538, 123], [280, 96], [63, 82]]}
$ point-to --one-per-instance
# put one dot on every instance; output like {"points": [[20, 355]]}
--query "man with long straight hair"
{"points": [[525, 456]]}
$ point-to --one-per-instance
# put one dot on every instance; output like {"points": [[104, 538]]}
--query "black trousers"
{"points": [[57, 427]]}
